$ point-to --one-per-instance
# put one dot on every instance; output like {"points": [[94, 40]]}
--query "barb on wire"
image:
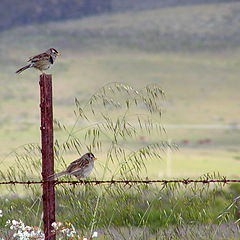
{"points": [[183, 181]]}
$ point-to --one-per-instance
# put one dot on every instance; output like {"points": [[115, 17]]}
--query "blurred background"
{"points": [[191, 48]]}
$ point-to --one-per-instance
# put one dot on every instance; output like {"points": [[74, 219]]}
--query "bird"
{"points": [[42, 61], [80, 168]]}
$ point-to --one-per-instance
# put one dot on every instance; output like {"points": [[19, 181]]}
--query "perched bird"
{"points": [[79, 168], [41, 61]]}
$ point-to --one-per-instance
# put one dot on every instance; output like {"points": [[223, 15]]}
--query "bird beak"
{"points": [[58, 54], [94, 158]]}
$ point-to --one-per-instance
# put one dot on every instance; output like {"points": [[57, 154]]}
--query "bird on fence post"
{"points": [[42, 61], [80, 168]]}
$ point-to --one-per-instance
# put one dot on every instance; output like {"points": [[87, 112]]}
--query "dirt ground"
{"points": [[195, 232]]}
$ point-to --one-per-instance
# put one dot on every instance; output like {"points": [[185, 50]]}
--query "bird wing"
{"points": [[42, 56], [77, 164]]}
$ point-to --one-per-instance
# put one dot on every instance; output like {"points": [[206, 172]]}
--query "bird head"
{"points": [[53, 51], [90, 155]]}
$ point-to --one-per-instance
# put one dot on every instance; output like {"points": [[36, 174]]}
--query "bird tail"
{"points": [[57, 175], [23, 68]]}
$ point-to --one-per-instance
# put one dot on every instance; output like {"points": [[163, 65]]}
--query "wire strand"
{"points": [[96, 182]]}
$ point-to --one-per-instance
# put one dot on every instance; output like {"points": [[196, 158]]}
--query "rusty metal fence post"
{"points": [[47, 154]]}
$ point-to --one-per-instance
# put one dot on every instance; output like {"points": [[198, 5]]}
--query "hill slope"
{"points": [[17, 13], [192, 52], [194, 45]]}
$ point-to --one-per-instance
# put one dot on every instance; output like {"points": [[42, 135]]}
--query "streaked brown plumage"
{"points": [[79, 168], [41, 61]]}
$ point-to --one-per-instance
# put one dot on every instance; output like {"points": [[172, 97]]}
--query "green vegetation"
{"points": [[146, 207]]}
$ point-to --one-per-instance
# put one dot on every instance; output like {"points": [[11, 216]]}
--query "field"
{"points": [[191, 52], [194, 58]]}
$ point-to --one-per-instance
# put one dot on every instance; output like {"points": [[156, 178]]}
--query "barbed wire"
{"points": [[96, 182]]}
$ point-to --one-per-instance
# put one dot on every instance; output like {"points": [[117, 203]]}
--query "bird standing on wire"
{"points": [[80, 168], [41, 61]]}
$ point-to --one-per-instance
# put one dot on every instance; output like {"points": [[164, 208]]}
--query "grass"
{"points": [[190, 160], [162, 208]]}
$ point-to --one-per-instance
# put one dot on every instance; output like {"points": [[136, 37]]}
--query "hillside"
{"points": [[24, 12], [191, 51], [172, 40], [21, 13]]}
